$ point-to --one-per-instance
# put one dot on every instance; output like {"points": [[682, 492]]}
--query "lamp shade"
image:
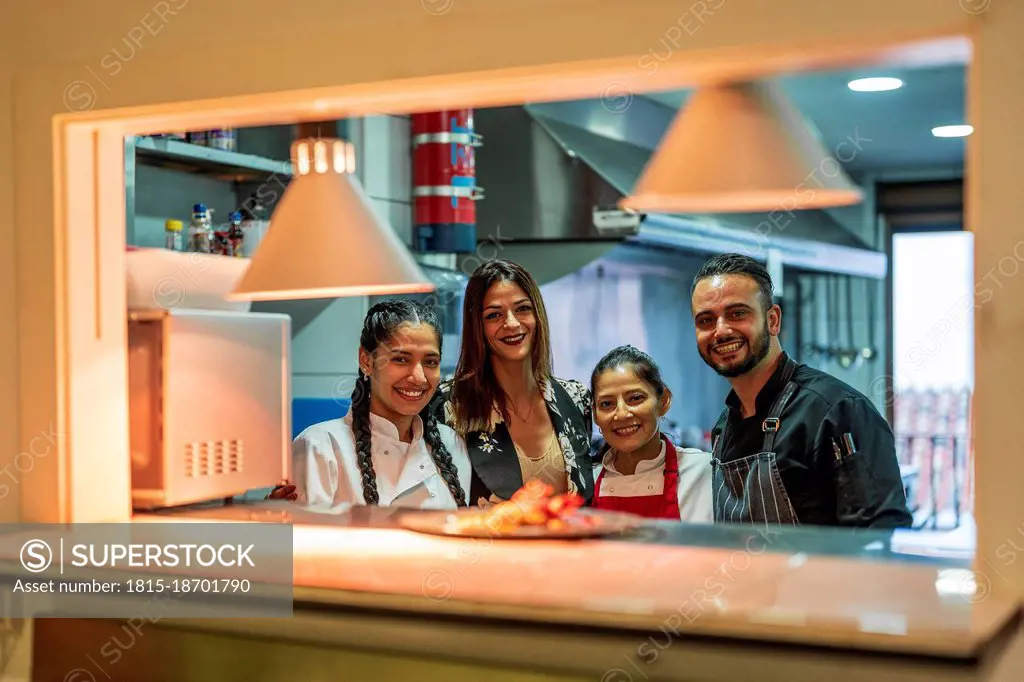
{"points": [[741, 148], [326, 240]]}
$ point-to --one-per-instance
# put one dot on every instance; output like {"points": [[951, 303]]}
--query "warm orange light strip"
{"points": [[741, 202], [335, 292]]}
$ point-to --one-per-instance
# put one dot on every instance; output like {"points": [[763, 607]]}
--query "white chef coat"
{"points": [[695, 493], [327, 474]]}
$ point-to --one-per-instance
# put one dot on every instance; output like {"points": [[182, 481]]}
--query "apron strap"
{"points": [[670, 493], [772, 423]]}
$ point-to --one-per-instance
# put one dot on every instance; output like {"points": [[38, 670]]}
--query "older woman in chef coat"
{"points": [[642, 472], [389, 450]]}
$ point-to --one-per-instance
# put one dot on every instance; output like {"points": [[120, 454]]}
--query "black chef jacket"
{"points": [[862, 488]]}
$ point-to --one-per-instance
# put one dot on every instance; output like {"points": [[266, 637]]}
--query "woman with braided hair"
{"points": [[389, 450]]}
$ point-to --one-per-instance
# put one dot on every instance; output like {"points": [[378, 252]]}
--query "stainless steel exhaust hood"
{"points": [[549, 164], [546, 207]]}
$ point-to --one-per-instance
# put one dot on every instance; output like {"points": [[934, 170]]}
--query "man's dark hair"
{"points": [[738, 264]]}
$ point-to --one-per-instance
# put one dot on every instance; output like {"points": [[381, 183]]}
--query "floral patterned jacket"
{"points": [[493, 456]]}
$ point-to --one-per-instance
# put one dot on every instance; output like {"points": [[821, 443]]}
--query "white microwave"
{"points": [[210, 404]]}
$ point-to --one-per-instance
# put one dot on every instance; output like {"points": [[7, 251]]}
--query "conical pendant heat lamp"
{"points": [[740, 148], [325, 239]]}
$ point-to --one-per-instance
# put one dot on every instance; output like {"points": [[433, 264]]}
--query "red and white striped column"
{"points": [[444, 181]]}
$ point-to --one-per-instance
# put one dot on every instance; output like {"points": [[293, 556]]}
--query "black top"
{"points": [[495, 464], [829, 482]]}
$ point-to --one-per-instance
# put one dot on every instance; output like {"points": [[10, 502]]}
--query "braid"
{"points": [[361, 426], [442, 458], [382, 320]]}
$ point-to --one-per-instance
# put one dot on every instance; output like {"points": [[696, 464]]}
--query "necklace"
{"points": [[512, 407]]}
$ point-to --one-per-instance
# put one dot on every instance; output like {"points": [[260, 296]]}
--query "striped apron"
{"points": [[750, 490]]}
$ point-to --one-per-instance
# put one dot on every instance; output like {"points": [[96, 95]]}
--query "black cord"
{"points": [[870, 286], [849, 313], [833, 315], [820, 287]]}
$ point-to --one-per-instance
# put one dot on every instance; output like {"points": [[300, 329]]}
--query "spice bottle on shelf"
{"points": [[254, 226], [236, 235], [222, 138], [200, 230], [172, 233], [221, 246], [212, 231], [199, 137]]}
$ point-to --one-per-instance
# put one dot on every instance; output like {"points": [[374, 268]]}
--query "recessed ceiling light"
{"points": [[875, 84], [952, 131]]}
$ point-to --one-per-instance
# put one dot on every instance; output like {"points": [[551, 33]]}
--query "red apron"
{"points": [[661, 506]]}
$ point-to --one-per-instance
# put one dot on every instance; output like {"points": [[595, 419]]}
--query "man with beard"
{"points": [[794, 445]]}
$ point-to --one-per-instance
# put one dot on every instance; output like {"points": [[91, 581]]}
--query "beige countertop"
{"points": [[714, 581], [752, 586], [769, 596]]}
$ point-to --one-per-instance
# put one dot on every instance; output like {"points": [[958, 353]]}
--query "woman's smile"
{"points": [[514, 340], [411, 394]]}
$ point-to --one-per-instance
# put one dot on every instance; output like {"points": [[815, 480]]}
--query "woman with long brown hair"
{"points": [[519, 422]]}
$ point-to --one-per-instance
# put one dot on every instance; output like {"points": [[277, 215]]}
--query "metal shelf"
{"points": [[207, 161], [244, 171]]}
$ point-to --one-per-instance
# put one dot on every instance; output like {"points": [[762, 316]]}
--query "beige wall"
{"points": [[995, 207], [10, 500], [59, 44]]}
